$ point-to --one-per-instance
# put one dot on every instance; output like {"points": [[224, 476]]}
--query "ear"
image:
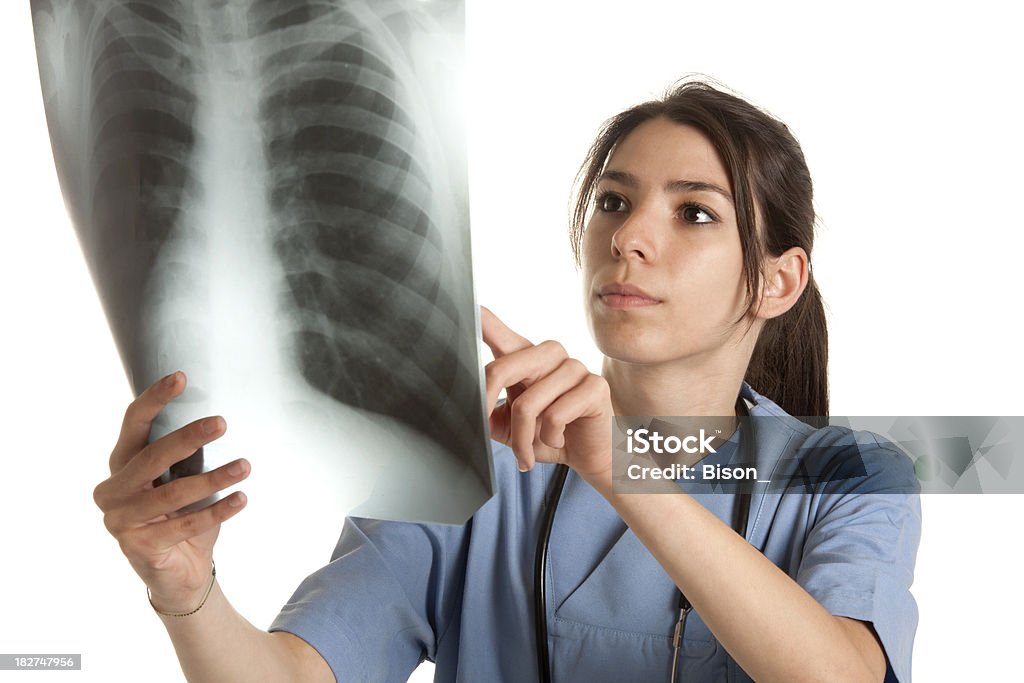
{"points": [[784, 281]]}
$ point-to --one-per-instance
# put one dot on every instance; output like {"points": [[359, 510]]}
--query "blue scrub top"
{"points": [[397, 593]]}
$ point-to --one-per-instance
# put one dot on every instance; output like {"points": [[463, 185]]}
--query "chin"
{"points": [[627, 344]]}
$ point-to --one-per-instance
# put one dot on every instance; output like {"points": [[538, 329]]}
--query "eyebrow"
{"points": [[630, 180]]}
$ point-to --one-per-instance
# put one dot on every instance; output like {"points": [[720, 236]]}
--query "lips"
{"points": [[625, 295]]}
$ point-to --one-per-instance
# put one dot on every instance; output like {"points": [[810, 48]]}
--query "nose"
{"points": [[635, 238]]}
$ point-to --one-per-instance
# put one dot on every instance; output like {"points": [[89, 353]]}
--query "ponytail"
{"points": [[790, 360]]}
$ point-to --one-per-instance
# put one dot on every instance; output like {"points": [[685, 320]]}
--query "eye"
{"points": [[610, 202], [695, 213]]}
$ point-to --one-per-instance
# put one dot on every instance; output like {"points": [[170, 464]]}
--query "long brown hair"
{"points": [[770, 180]]}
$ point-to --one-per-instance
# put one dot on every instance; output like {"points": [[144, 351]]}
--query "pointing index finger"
{"points": [[498, 336]]}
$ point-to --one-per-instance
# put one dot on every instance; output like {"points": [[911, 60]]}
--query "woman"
{"points": [[696, 261]]}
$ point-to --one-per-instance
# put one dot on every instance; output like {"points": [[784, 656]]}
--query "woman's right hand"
{"points": [[169, 549]]}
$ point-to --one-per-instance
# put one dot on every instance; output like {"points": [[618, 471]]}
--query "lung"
{"points": [[271, 196], [120, 93]]}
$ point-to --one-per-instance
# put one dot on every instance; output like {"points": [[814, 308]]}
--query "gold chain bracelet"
{"points": [[213, 579]]}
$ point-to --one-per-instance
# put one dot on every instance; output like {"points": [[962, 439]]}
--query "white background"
{"points": [[909, 117]]}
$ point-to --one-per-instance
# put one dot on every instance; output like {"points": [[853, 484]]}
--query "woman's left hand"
{"points": [[557, 411]]}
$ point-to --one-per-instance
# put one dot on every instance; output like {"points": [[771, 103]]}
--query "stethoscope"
{"points": [[554, 494]]}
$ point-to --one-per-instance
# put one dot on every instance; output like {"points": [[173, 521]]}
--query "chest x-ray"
{"points": [[271, 195]]}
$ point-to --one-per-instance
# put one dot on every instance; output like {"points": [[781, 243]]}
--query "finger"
{"points": [[164, 500], [500, 421], [590, 398], [163, 536], [524, 367], [158, 456], [138, 418], [499, 338], [587, 399], [551, 430], [525, 428]]}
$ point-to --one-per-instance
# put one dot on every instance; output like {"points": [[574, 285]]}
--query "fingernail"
{"points": [[235, 469], [236, 500], [209, 425], [169, 380], [520, 467]]}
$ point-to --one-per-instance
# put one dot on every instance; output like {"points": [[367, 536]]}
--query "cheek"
{"points": [[733, 282], [711, 275], [592, 249]]}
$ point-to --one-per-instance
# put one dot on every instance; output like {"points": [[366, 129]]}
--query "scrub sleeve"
{"points": [[373, 611], [858, 559]]}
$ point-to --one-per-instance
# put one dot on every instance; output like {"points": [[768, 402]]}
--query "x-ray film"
{"points": [[271, 195]]}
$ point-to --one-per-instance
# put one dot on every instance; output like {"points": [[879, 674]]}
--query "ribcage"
{"points": [[377, 326], [271, 199]]}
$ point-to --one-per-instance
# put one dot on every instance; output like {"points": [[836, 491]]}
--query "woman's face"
{"points": [[662, 263]]}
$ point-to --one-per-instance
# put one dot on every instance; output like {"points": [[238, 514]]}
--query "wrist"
{"points": [[182, 603], [600, 480]]}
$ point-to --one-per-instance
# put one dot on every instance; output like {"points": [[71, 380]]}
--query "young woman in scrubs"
{"points": [[694, 228]]}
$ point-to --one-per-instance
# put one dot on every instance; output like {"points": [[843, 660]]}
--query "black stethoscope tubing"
{"points": [[554, 494], [540, 560]]}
